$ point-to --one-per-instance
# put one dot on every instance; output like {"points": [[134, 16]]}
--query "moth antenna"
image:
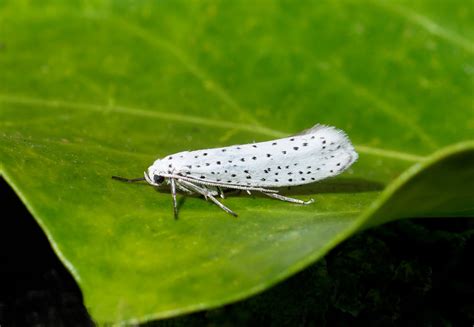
{"points": [[128, 180]]}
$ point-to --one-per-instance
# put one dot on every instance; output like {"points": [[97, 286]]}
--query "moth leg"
{"points": [[173, 193], [223, 207], [207, 194], [221, 192], [180, 187], [287, 199]]}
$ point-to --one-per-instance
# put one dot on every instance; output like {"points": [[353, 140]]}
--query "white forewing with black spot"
{"points": [[312, 155], [305, 158]]}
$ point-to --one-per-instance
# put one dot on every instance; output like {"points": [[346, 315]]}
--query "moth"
{"points": [[312, 155]]}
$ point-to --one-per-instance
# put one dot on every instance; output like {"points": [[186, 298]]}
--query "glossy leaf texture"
{"points": [[97, 88]]}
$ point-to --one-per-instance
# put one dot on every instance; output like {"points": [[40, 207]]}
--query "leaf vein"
{"points": [[209, 83], [186, 119], [379, 103], [428, 24]]}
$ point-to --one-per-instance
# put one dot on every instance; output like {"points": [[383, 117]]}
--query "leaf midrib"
{"points": [[156, 41], [15, 99]]}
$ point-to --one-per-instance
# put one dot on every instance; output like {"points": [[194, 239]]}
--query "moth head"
{"points": [[153, 176], [154, 179]]}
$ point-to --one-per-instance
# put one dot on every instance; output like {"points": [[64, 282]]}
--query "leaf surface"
{"points": [[90, 90]]}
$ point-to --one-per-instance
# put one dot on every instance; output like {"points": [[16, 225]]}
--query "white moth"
{"points": [[310, 156]]}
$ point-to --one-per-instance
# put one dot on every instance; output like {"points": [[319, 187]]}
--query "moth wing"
{"points": [[339, 136], [312, 130], [319, 128]]}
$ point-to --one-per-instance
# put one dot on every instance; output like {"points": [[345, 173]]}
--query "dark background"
{"points": [[406, 273]]}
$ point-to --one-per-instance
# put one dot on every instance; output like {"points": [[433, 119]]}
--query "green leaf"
{"points": [[94, 89]]}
